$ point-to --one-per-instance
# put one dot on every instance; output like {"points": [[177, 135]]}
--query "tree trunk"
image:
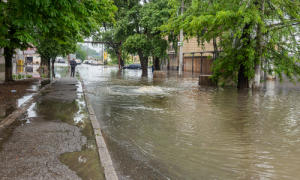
{"points": [[259, 51], [156, 63], [216, 51], [53, 72], [243, 81], [122, 62], [45, 68], [144, 65], [120, 59], [8, 54], [257, 78], [49, 67]]}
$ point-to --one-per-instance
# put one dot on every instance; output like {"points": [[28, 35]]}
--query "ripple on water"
{"points": [[185, 132]]}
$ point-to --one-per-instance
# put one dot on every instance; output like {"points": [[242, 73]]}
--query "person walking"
{"points": [[73, 65]]}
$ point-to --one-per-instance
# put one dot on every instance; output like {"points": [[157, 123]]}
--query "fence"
{"points": [[195, 62]]}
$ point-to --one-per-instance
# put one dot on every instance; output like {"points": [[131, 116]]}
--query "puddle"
{"points": [[15, 95], [85, 162], [24, 99], [57, 104], [61, 71], [34, 88]]}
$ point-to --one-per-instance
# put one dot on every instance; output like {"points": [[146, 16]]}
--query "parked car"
{"points": [[60, 61], [132, 66], [93, 62], [78, 61], [86, 62]]}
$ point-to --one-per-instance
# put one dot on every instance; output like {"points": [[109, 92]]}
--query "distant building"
{"points": [[30, 56], [197, 57]]}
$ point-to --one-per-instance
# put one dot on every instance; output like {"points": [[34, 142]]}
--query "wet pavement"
{"points": [[53, 140], [173, 129], [13, 95]]}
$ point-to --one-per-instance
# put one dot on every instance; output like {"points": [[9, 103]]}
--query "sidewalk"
{"points": [[53, 140], [12, 95]]}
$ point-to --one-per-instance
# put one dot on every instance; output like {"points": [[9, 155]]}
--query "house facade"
{"points": [[197, 58], [30, 56]]}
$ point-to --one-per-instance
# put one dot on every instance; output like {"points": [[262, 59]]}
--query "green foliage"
{"points": [[113, 33], [249, 33], [28, 76], [54, 27], [80, 53], [83, 51], [144, 36], [138, 43], [20, 76], [137, 29], [71, 23]]}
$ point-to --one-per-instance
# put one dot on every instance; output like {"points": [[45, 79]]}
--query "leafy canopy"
{"points": [[238, 26]]}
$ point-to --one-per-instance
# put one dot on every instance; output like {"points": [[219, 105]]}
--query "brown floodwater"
{"points": [[174, 129]]}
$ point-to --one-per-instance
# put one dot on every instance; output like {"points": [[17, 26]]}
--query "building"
{"points": [[197, 58], [30, 56]]}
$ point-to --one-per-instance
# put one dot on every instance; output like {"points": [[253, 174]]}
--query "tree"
{"points": [[80, 52], [113, 43], [142, 25], [16, 24], [154, 15], [251, 33], [114, 34], [71, 23], [49, 24], [137, 31]]}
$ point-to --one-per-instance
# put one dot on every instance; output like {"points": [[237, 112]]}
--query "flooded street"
{"points": [[172, 129]]}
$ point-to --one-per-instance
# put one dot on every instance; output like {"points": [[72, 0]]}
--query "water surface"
{"points": [[174, 129]]}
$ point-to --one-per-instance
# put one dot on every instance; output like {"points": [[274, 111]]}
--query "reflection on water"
{"points": [[172, 129], [7, 107], [24, 99], [61, 70], [72, 110]]}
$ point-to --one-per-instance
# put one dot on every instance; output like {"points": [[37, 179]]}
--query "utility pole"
{"points": [[181, 44], [103, 53]]}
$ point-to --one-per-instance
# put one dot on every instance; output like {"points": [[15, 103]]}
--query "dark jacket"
{"points": [[73, 64]]}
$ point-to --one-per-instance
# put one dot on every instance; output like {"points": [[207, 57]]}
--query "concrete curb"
{"points": [[105, 159], [22, 109]]}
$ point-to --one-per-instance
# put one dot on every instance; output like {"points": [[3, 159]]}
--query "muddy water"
{"points": [[172, 129], [21, 93]]}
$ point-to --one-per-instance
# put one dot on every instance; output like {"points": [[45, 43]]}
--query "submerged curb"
{"points": [[105, 159], [22, 109]]}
